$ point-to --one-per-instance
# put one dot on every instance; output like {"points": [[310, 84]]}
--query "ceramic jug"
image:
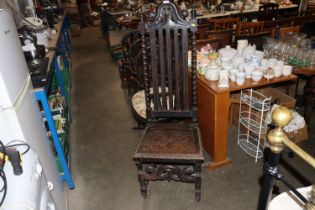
{"points": [[212, 72]]}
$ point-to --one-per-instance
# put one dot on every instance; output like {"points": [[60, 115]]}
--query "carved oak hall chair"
{"points": [[169, 149]]}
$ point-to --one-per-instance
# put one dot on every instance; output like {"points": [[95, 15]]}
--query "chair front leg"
{"points": [[198, 181], [141, 178]]}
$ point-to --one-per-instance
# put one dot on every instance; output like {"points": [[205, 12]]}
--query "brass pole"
{"points": [[277, 140], [299, 151]]}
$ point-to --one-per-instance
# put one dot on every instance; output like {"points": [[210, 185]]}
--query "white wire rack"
{"points": [[252, 127]]}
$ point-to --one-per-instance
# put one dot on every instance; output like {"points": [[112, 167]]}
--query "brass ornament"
{"points": [[280, 116]]}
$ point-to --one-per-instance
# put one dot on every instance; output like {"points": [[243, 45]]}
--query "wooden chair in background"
{"points": [[202, 29], [249, 28], [172, 150], [225, 23], [224, 35], [271, 24], [268, 11], [256, 38], [285, 30]]}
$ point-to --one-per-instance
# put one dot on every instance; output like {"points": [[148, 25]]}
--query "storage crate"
{"points": [[298, 135]]}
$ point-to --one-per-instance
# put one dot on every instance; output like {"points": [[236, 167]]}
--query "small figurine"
{"points": [[224, 79]]}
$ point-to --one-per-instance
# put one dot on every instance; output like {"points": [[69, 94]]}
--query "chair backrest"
{"points": [[285, 30], [127, 41], [108, 22], [224, 35], [270, 24], [268, 11], [225, 23], [269, 8], [202, 29], [256, 39], [297, 21], [168, 64], [249, 28], [133, 57]]}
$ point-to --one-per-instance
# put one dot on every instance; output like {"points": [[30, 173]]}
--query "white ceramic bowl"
{"points": [[233, 73], [240, 78], [277, 70], [280, 63], [228, 52], [264, 63], [257, 76], [261, 69], [272, 62], [248, 70], [260, 54], [286, 70]]}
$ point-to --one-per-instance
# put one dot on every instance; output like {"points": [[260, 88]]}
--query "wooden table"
{"points": [[213, 113], [307, 98], [128, 22], [305, 71]]}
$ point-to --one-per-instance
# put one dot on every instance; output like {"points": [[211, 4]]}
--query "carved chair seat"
{"points": [[176, 141], [172, 152]]}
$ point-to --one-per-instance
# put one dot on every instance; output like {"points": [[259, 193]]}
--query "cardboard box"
{"points": [[298, 135], [280, 98], [276, 96]]}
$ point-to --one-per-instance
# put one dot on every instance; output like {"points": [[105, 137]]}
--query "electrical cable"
{"points": [[5, 187], [19, 143], [14, 143], [4, 154], [2, 175]]}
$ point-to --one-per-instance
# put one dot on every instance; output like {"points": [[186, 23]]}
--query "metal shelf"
{"points": [[256, 100], [41, 95], [251, 145], [252, 122], [253, 106]]}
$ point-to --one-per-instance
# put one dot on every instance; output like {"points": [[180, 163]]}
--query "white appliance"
{"points": [[20, 116], [30, 190]]}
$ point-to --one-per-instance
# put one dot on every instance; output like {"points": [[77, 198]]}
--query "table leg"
{"points": [[309, 98], [213, 113]]}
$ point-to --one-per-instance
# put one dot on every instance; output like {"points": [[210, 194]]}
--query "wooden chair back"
{"points": [[225, 23], [269, 8], [297, 21], [134, 60], [202, 29], [268, 11], [108, 22], [285, 30], [271, 24], [127, 41], [215, 43], [168, 50], [249, 28], [256, 38], [225, 36]]}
